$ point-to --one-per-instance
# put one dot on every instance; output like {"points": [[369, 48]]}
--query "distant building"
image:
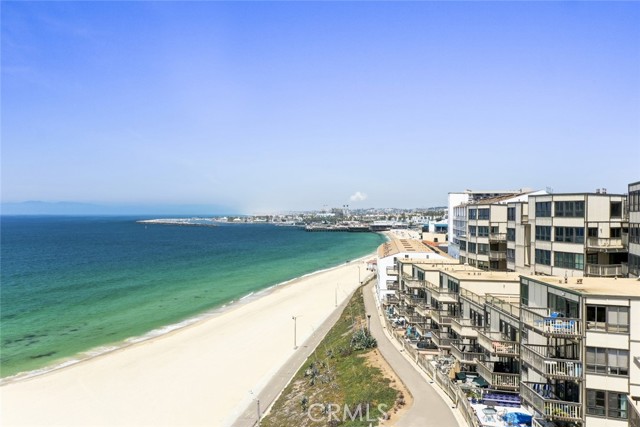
{"points": [[633, 237]]}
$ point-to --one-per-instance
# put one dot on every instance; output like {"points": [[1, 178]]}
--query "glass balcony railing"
{"points": [[498, 380], [539, 357], [540, 319], [497, 344], [542, 399]]}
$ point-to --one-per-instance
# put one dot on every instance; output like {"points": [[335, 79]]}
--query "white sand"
{"points": [[199, 375]]}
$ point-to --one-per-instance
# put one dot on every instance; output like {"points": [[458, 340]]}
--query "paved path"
{"points": [[429, 407], [276, 385]]}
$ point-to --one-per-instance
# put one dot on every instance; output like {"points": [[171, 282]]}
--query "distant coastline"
{"points": [[183, 222]]}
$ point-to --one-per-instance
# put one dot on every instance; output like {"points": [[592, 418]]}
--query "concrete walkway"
{"points": [[430, 407]]}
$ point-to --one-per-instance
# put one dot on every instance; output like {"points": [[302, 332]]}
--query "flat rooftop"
{"points": [[397, 246], [602, 286], [431, 263], [481, 275]]}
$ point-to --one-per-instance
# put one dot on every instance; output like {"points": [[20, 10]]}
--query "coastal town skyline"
{"points": [[272, 107]]}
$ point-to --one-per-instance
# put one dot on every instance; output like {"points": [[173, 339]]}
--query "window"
{"points": [[472, 213], [483, 231], [483, 213], [524, 292], [574, 209], [569, 234], [483, 249], [511, 234], [568, 260], [511, 255], [634, 233], [634, 264], [596, 402], [616, 209], [608, 318], [593, 232], [634, 200], [618, 362], [471, 247], [463, 245], [618, 319], [617, 405], [511, 214], [615, 232], [596, 360], [608, 404], [543, 257], [472, 230], [543, 233], [543, 209]]}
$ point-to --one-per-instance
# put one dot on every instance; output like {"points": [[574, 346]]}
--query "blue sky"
{"points": [[274, 106]]}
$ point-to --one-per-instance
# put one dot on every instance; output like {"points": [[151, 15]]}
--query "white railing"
{"points": [[604, 270], [497, 255], [601, 242], [538, 356], [440, 338], [507, 307], [540, 319], [498, 379], [392, 271], [498, 237], [497, 344], [442, 317], [465, 356], [551, 408], [423, 310]]}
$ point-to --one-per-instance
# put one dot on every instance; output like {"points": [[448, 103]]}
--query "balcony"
{"points": [[464, 327], [441, 317], [440, 338], [442, 294], [497, 344], [422, 328], [539, 357], [412, 300], [507, 304], [391, 299], [466, 353], [497, 237], [392, 285], [605, 244], [497, 255], [604, 270], [540, 320], [414, 283], [498, 380], [478, 300], [423, 310], [542, 399], [392, 271]]}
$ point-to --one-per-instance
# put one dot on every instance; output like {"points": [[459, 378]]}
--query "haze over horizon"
{"points": [[290, 106]]}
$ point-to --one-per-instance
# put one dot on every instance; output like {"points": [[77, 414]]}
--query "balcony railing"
{"points": [[423, 310], [604, 270], [498, 380], [507, 307], [539, 357], [465, 353], [392, 271], [479, 300], [497, 255], [604, 243], [412, 300], [414, 283], [441, 317], [391, 299], [498, 237], [540, 320], [442, 294], [464, 327], [392, 285], [497, 344], [544, 402], [440, 338]]}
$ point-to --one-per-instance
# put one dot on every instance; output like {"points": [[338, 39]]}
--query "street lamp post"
{"points": [[295, 344], [369, 323]]}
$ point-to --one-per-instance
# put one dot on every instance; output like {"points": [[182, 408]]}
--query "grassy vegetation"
{"points": [[336, 376]]}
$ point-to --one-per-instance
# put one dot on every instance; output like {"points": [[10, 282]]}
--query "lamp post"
{"points": [[295, 344], [258, 403], [369, 323], [359, 280]]}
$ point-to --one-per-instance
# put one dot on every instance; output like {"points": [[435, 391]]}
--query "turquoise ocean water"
{"points": [[74, 287]]}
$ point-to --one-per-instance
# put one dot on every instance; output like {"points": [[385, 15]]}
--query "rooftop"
{"points": [[602, 286], [397, 246], [484, 276]]}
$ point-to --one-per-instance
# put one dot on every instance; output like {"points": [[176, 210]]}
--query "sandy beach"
{"points": [[199, 375]]}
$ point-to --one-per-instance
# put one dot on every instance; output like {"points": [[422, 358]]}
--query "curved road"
{"points": [[429, 407]]}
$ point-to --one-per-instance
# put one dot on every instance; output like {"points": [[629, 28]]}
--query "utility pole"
{"points": [[295, 344]]}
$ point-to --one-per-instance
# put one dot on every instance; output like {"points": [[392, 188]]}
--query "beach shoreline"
{"points": [[133, 366]]}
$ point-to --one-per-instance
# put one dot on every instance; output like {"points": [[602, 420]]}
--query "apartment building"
{"points": [[575, 235], [580, 341], [633, 237], [457, 214]]}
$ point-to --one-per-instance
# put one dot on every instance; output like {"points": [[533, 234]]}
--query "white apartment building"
{"points": [[580, 347], [388, 271], [633, 237], [576, 234], [456, 217]]}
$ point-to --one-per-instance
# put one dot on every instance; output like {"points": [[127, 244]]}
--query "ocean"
{"points": [[75, 287]]}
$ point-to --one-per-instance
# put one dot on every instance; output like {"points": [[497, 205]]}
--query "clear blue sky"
{"points": [[275, 106]]}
